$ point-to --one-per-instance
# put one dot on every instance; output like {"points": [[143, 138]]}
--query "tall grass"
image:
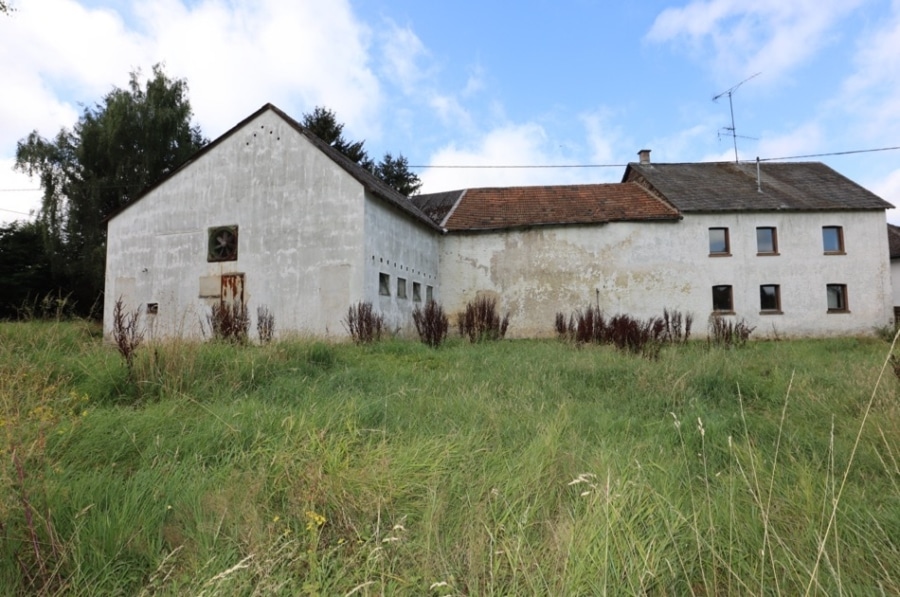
{"points": [[527, 467]]}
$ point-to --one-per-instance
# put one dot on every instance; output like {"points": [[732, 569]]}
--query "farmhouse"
{"points": [[269, 216]]}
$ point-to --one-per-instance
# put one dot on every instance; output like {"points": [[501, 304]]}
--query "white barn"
{"points": [[271, 216], [267, 215]]}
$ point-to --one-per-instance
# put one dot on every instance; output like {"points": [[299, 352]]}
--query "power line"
{"points": [[12, 211], [821, 155], [537, 166], [532, 166], [560, 166]]}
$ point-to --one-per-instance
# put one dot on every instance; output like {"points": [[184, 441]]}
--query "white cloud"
{"points": [[16, 203], [889, 189], [402, 51], [511, 145], [604, 138], [56, 56], [773, 36], [58, 45], [406, 63], [803, 140], [237, 56], [873, 90]]}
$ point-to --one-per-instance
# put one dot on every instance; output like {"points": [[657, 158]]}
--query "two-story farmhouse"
{"points": [[268, 215]]}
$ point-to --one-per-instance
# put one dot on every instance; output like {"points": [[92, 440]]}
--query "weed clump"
{"points": [[229, 322], [481, 321], [644, 337], [365, 326], [53, 306], [726, 333], [431, 324], [265, 324], [127, 333], [321, 355]]}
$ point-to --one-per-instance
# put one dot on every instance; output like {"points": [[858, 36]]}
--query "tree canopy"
{"points": [[117, 148], [323, 123], [24, 267], [395, 172]]}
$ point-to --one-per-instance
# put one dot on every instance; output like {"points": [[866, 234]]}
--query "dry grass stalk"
{"points": [[481, 321], [126, 332], [229, 321], [365, 326], [431, 324], [265, 324]]}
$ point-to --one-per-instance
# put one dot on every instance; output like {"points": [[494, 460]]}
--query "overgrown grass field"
{"points": [[498, 468]]}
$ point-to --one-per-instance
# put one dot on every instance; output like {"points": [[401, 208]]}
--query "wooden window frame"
{"points": [[719, 309], [839, 230], [842, 294], [727, 239], [774, 232], [762, 296]]}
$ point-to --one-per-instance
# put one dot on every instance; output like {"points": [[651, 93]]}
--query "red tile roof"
{"points": [[511, 207]]}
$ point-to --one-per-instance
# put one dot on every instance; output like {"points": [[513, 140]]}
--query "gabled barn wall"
{"points": [[300, 222]]}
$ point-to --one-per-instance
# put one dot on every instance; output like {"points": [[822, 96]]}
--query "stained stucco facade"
{"points": [[640, 268], [314, 234]]}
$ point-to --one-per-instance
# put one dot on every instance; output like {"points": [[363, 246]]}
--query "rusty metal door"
{"points": [[233, 291]]}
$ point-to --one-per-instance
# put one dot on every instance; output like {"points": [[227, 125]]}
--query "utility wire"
{"points": [[820, 155], [535, 166], [552, 166], [12, 211]]}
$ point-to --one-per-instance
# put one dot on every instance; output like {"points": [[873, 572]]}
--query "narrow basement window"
{"points": [[384, 284], [417, 292], [429, 294], [401, 288]]}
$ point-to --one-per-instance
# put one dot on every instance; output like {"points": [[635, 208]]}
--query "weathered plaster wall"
{"points": [[401, 248], [641, 268], [895, 281], [300, 220]]}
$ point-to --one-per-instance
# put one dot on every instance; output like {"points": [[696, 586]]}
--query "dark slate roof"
{"points": [[369, 181], [729, 186], [437, 205], [894, 240], [511, 207]]}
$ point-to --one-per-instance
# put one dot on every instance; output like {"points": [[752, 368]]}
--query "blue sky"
{"points": [[486, 83]]}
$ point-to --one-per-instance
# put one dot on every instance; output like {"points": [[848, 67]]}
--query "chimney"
{"points": [[645, 156]]}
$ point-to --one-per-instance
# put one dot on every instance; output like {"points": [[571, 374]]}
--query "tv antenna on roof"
{"points": [[732, 131]]}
